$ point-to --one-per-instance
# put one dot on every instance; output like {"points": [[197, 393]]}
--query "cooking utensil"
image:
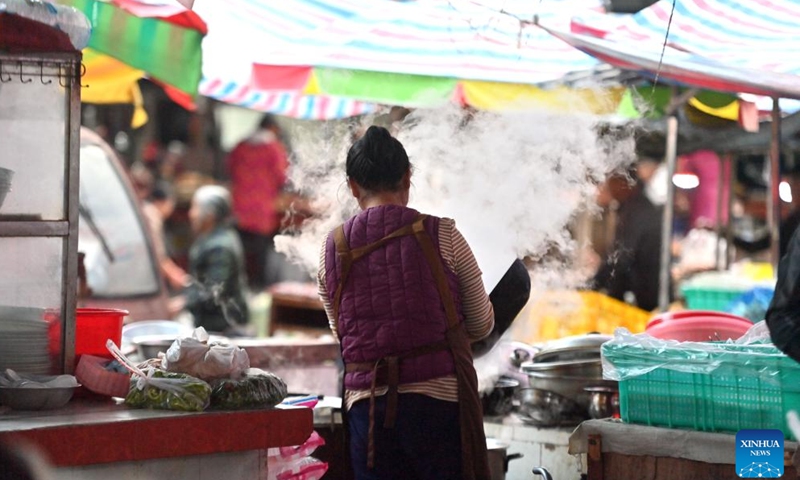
{"points": [[32, 398], [544, 408], [35, 392], [522, 353], [543, 472], [508, 298], [603, 402], [499, 458], [576, 347], [500, 401]]}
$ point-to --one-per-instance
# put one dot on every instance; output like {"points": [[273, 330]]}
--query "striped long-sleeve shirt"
{"points": [[478, 312]]}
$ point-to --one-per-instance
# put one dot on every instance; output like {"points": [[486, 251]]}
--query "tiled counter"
{"points": [[545, 447], [90, 440]]}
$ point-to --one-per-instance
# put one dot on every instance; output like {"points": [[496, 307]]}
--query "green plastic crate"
{"points": [[710, 298], [734, 396]]}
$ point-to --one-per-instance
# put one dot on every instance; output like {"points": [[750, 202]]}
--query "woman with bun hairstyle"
{"points": [[404, 297]]}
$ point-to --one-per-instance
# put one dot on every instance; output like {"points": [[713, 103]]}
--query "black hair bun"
{"points": [[377, 134]]}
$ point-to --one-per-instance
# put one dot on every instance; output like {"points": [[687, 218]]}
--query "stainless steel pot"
{"points": [[578, 347], [603, 402], [499, 458], [568, 378]]}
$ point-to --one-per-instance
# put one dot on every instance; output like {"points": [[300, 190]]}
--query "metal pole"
{"points": [[774, 202], [729, 258], [664, 283], [720, 198]]}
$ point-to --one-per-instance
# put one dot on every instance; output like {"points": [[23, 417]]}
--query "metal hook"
{"points": [[21, 78], [83, 72], [61, 77], [4, 80], [41, 75]]}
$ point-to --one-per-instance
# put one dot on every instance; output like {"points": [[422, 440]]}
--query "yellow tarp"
{"points": [[495, 96], [110, 81]]}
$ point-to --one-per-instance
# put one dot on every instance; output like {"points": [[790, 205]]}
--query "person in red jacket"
{"points": [[257, 167]]}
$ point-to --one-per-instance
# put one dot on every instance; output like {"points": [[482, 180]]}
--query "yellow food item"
{"points": [[557, 314]]}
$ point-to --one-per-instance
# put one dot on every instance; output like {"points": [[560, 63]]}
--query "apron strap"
{"points": [[475, 461], [347, 257], [435, 262]]}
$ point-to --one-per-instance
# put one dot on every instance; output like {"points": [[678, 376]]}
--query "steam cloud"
{"points": [[513, 182]]}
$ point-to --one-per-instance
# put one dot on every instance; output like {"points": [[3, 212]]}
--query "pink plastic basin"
{"points": [[700, 329], [689, 314]]}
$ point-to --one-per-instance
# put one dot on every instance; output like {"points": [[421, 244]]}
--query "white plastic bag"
{"points": [[157, 389], [197, 357]]}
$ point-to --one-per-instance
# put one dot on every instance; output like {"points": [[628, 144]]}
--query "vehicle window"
{"points": [[109, 224]]}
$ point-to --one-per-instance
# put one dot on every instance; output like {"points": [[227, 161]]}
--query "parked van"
{"points": [[120, 261]]}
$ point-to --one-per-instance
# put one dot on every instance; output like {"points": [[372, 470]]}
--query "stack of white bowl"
{"points": [[24, 340]]}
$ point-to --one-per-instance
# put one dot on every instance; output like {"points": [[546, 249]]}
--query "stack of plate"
{"points": [[24, 340]]}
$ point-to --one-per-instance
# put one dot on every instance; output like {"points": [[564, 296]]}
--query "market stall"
{"points": [[702, 61], [164, 423]]}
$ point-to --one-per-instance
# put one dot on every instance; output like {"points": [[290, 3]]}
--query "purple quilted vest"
{"points": [[390, 303]]}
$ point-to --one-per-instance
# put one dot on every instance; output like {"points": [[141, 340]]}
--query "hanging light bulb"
{"points": [[785, 191], [685, 181]]}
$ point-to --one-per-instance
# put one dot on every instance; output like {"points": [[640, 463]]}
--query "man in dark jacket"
{"points": [[632, 266]]}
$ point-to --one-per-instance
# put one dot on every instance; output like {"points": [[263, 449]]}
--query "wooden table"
{"points": [[614, 450], [297, 307]]}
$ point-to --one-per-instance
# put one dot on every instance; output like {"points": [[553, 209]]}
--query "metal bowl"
{"points": [[148, 346], [29, 398], [546, 408], [150, 328]]}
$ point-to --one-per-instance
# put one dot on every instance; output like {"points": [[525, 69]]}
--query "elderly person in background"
{"points": [[216, 292]]}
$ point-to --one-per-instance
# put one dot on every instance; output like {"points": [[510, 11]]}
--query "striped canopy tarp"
{"points": [[418, 53], [724, 45], [288, 104], [746, 34], [159, 38]]}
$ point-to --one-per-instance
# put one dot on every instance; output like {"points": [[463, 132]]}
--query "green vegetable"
{"points": [[170, 391], [258, 389]]}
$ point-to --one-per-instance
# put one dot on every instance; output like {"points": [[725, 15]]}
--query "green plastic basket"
{"points": [[736, 395], [710, 298]]}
